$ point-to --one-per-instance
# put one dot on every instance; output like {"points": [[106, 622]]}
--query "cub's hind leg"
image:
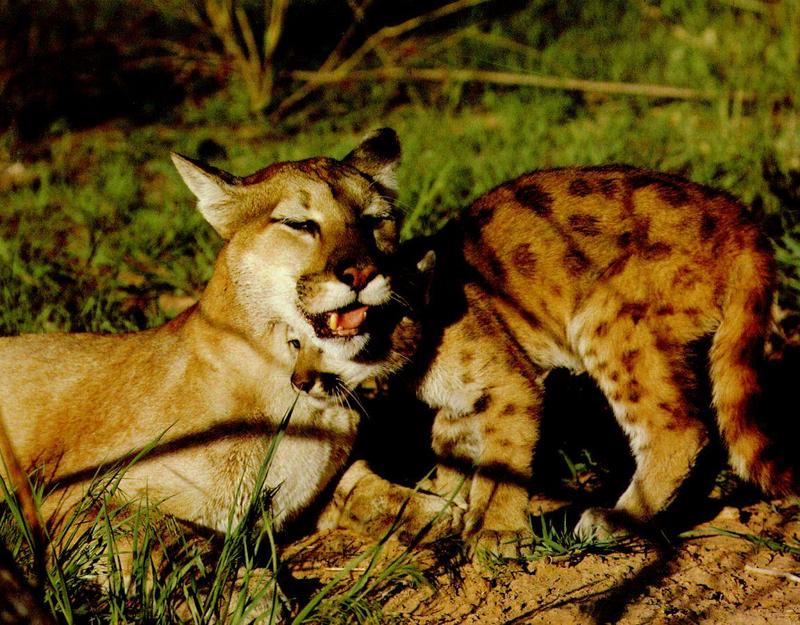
{"points": [[648, 383]]}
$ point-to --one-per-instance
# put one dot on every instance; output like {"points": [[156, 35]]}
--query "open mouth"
{"points": [[343, 322]]}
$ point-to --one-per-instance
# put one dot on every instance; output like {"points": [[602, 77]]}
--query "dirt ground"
{"points": [[710, 579]]}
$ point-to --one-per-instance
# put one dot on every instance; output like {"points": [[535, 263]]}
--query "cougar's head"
{"points": [[307, 242]]}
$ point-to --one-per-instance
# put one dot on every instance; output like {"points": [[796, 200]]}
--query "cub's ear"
{"points": [[378, 156], [215, 190]]}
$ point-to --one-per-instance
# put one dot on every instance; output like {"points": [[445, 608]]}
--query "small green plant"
{"points": [[559, 542]]}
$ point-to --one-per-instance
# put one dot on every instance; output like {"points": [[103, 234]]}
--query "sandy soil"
{"points": [[710, 579]]}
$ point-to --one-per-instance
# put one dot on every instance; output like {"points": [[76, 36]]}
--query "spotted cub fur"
{"points": [[611, 270]]}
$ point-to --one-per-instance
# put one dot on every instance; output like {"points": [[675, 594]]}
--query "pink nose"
{"points": [[357, 277]]}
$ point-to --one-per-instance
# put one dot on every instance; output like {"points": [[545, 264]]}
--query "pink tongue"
{"points": [[352, 318]]}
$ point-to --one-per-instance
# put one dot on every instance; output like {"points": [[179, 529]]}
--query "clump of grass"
{"points": [[558, 542]]}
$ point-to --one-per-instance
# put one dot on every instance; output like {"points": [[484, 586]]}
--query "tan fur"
{"points": [[610, 270], [303, 240]]}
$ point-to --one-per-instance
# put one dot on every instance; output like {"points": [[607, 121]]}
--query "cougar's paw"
{"points": [[602, 524], [487, 543]]}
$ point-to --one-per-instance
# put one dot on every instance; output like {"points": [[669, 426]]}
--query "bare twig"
{"points": [[513, 79], [773, 573], [334, 65], [255, 63]]}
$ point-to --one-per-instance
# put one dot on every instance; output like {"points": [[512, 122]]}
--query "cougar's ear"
{"points": [[378, 156], [215, 190]]}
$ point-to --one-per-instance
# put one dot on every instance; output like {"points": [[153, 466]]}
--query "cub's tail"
{"points": [[736, 351]]}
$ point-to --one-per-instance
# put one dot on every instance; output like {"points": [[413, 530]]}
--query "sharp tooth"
{"points": [[333, 320]]}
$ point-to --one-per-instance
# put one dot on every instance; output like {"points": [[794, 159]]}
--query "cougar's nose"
{"points": [[303, 381], [354, 276]]}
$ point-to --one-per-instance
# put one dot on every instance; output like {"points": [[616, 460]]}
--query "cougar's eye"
{"points": [[306, 225], [294, 343]]}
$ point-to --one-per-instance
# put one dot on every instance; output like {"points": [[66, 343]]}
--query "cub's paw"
{"points": [[430, 516], [603, 524], [487, 544]]}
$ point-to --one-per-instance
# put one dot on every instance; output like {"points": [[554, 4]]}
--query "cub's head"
{"points": [[307, 241]]}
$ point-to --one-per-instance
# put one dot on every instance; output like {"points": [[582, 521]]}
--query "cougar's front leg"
{"points": [[369, 504]]}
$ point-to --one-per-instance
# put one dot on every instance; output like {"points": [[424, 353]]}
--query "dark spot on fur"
{"points": [[490, 429], [683, 378], [580, 187], [601, 329], [509, 409], [634, 395], [576, 261], [614, 376], [624, 239], [466, 357], [641, 180], [665, 406], [664, 310], [466, 378], [708, 225], [608, 187], [641, 232], [666, 345], [535, 198], [656, 251], [601, 366], [482, 403], [616, 267], [586, 225], [692, 311], [673, 193], [635, 310], [524, 260], [629, 358]]}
